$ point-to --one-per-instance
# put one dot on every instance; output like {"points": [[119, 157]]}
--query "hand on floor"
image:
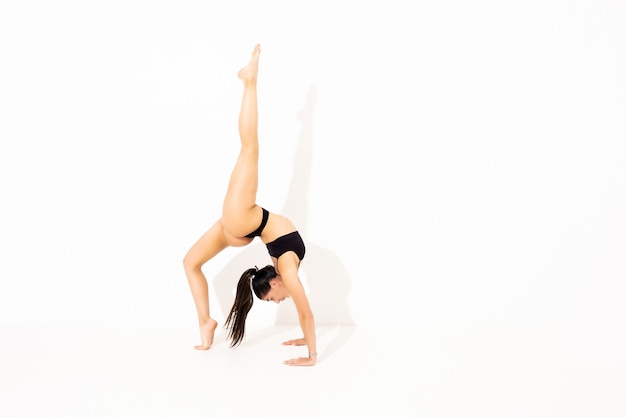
{"points": [[295, 342], [300, 362]]}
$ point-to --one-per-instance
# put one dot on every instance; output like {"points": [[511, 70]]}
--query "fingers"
{"points": [[300, 362], [295, 342]]}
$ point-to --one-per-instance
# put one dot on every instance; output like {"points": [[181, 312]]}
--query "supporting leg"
{"points": [[209, 245]]}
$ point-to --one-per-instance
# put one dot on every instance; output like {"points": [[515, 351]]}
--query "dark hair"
{"points": [[253, 279]]}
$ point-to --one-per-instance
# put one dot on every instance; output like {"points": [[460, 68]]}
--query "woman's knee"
{"points": [[191, 263]]}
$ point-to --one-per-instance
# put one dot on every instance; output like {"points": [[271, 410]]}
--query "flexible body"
{"points": [[242, 220]]}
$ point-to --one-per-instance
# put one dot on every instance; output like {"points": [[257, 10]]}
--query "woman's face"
{"points": [[278, 293]]}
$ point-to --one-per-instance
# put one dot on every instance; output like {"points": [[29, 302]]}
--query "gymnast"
{"points": [[242, 220]]}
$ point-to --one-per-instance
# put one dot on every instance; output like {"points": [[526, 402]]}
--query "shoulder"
{"points": [[288, 264], [287, 268]]}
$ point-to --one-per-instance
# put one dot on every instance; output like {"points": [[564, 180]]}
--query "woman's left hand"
{"points": [[300, 362]]}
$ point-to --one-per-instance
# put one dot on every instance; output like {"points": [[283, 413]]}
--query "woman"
{"points": [[242, 220]]}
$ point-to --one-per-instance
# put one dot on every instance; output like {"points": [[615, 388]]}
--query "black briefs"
{"points": [[289, 242], [258, 231]]}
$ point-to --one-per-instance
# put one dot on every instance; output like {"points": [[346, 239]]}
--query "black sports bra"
{"points": [[289, 242]]}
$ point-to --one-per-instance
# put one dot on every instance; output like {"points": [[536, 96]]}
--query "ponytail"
{"points": [[253, 279]]}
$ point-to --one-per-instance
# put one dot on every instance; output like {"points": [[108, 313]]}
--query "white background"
{"points": [[453, 165]]}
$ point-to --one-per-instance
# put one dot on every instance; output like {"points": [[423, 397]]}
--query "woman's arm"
{"points": [[288, 270]]}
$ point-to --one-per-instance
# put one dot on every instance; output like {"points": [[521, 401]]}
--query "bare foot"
{"points": [[250, 71], [207, 331]]}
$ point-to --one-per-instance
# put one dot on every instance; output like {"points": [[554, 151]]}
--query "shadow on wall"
{"points": [[322, 272]]}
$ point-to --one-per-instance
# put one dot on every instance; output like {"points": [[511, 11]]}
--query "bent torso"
{"points": [[277, 226]]}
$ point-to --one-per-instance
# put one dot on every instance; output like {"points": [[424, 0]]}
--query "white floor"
{"points": [[361, 370]]}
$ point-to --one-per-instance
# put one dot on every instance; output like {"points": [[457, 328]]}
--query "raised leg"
{"points": [[209, 245], [240, 213]]}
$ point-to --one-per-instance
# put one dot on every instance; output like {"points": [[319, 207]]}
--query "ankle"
{"points": [[250, 82]]}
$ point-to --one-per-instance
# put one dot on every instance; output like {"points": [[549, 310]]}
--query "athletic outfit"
{"points": [[257, 232], [289, 242]]}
